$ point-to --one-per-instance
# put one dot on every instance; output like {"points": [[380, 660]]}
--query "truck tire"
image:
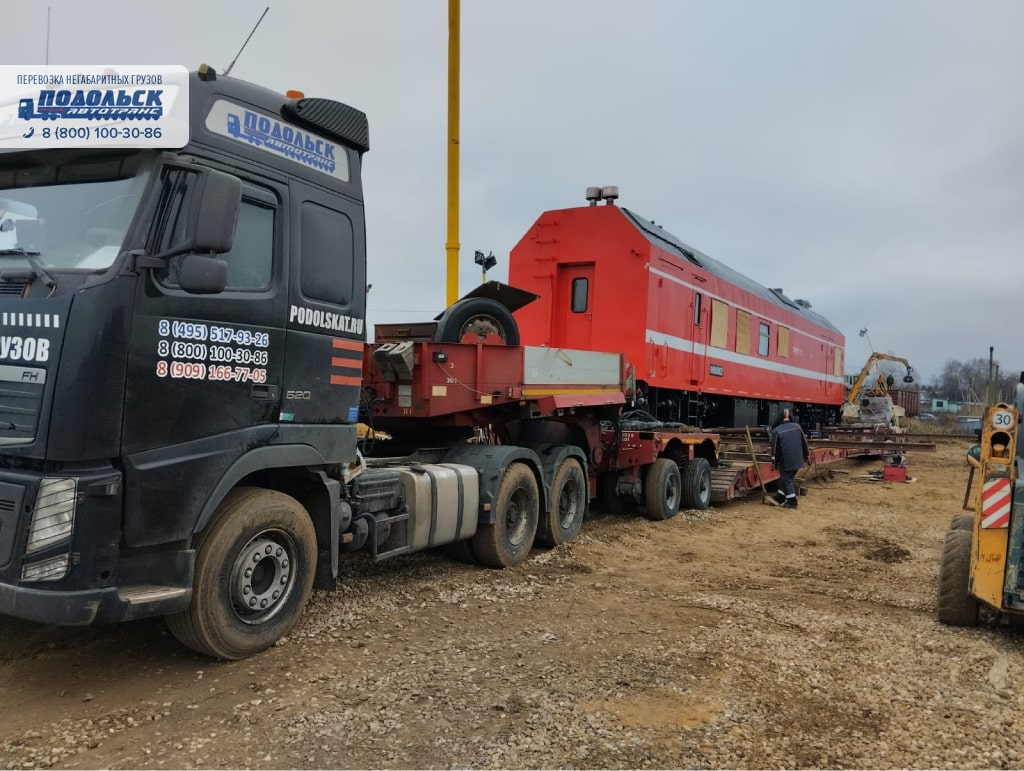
{"points": [[255, 564], [508, 541], [479, 317], [962, 522], [696, 484], [662, 488], [569, 498], [955, 606]]}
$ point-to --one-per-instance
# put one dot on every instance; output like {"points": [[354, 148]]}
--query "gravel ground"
{"points": [[739, 637]]}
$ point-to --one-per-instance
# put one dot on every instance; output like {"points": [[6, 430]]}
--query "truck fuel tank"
{"points": [[443, 502]]}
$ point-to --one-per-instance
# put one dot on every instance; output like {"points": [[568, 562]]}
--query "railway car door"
{"points": [[698, 359], [574, 306]]}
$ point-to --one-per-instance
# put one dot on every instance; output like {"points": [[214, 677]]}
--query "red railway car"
{"points": [[711, 347]]}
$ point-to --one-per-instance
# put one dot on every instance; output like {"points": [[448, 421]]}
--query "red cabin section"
{"points": [[710, 347]]}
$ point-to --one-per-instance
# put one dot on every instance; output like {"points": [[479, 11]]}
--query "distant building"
{"points": [[943, 405]]}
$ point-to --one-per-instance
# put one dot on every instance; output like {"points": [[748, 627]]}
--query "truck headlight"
{"points": [[54, 514]]}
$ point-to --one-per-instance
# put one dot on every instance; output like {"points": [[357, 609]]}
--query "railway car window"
{"points": [[762, 338], [719, 324], [837, 361], [742, 332], [782, 343], [579, 295], [696, 308], [328, 249]]}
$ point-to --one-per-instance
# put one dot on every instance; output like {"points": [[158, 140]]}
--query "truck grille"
{"points": [[11, 497], [19, 411]]}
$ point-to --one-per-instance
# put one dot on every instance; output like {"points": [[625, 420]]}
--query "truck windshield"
{"points": [[69, 210]]}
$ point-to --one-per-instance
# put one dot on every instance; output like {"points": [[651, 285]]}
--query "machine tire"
{"points": [[955, 606], [508, 541], [479, 315], [696, 484], [662, 490], [962, 522], [569, 498], [273, 532]]}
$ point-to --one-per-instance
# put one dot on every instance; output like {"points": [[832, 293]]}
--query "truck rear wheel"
{"points": [[662, 487], [255, 564], [508, 541], [697, 484], [955, 605], [569, 497]]}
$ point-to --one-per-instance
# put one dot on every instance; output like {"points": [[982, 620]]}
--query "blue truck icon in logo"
{"points": [[97, 104]]}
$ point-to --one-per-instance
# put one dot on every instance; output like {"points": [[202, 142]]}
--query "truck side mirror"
{"points": [[197, 212], [216, 214], [202, 274]]}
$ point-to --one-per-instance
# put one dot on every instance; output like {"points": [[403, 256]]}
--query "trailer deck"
{"points": [[745, 466]]}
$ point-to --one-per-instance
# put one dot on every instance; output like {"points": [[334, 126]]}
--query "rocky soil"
{"points": [[740, 637]]}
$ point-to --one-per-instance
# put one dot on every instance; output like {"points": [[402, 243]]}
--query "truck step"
{"points": [[398, 539], [147, 593]]}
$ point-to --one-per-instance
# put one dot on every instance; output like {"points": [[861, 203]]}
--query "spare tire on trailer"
{"points": [[487, 319]]}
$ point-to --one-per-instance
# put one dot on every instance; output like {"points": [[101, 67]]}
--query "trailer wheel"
{"points": [[569, 498], [962, 522], [955, 605], [508, 541], [255, 565], [697, 484], [477, 319], [662, 487]]}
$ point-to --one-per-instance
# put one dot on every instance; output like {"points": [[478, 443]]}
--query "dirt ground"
{"points": [[743, 636]]}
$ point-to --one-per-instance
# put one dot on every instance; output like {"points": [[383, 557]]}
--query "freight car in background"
{"points": [[711, 347]]}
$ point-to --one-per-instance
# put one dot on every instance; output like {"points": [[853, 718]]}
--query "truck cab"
{"points": [[163, 348]]}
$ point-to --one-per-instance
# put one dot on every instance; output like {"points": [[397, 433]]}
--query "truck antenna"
{"points": [[228, 70]]}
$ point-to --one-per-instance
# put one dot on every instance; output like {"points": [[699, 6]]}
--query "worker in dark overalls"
{"points": [[789, 454]]}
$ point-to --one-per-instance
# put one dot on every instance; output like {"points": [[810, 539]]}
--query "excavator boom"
{"points": [[881, 386]]}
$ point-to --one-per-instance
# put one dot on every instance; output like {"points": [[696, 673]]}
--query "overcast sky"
{"points": [[865, 156]]}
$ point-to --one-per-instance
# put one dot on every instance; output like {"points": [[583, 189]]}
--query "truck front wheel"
{"points": [[255, 564], [508, 541]]}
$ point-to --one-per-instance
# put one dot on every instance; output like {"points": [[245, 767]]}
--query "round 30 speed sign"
{"points": [[1002, 419]]}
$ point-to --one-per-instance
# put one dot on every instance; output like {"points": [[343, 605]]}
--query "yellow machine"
{"points": [[872, 403], [981, 556]]}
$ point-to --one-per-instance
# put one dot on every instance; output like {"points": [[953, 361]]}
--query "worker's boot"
{"points": [[790, 503], [780, 497]]}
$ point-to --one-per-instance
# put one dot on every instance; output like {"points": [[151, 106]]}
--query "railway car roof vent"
{"points": [[593, 195]]}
